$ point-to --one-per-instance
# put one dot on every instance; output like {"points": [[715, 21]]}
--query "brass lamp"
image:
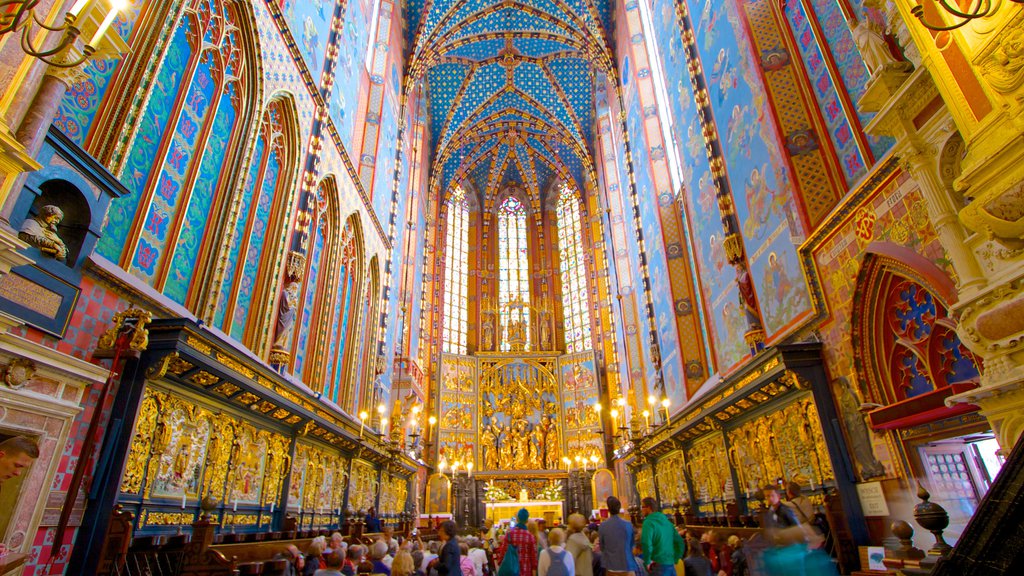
{"points": [[90, 19], [974, 10]]}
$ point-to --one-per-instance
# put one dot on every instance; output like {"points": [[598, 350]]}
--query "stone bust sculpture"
{"points": [[41, 232]]}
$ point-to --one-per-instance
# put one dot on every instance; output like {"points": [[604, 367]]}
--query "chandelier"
{"points": [[87, 19], [975, 9]]}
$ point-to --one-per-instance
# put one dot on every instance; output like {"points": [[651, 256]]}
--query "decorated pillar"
{"points": [[959, 121]]}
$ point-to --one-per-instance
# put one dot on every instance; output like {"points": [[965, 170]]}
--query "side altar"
{"points": [[549, 510], [546, 503]]}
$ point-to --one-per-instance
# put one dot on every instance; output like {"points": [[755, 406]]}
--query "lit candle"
{"points": [[567, 463], [104, 26], [469, 467], [362, 422], [235, 507], [183, 496], [615, 416], [78, 7], [665, 402], [272, 507], [647, 419]]}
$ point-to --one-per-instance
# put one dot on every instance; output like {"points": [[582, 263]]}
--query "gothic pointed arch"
{"points": [[572, 268], [362, 395], [344, 341], [513, 266], [324, 242], [904, 339], [185, 160], [455, 321], [260, 216]]}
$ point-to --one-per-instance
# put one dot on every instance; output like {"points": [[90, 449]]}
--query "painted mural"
{"points": [[310, 23], [758, 173], [630, 274], [349, 70], [81, 103], [398, 199], [174, 166], [384, 171], [848, 61], [657, 263], [826, 94], [717, 277]]}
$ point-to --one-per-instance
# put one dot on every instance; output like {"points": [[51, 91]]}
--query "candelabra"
{"points": [[961, 14], [93, 18], [464, 487]]}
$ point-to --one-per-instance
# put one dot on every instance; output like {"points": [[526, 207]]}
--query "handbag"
{"points": [[510, 563]]}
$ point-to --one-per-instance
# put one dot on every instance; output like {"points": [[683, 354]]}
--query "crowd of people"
{"points": [[789, 545]]}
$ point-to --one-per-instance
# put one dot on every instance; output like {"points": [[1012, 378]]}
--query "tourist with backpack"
{"points": [[555, 560], [519, 545]]}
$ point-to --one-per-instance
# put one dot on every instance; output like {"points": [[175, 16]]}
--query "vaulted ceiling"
{"points": [[510, 87]]}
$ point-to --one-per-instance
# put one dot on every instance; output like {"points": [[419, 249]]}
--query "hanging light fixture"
{"points": [[90, 19], [974, 10]]}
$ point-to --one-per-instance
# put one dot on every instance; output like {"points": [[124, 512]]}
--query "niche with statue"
{"points": [[59, 215]]}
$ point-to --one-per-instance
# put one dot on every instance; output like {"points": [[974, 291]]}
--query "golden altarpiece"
{"points": [[514, 418]]}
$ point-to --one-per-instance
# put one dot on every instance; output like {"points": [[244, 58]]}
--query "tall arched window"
{"points": [[575, 300], [363, 388], [317, 291], [183, 156], [349, 274], [513, 266], [258, 230], [456, 278]]}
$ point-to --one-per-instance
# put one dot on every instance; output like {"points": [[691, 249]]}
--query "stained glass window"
{"points": [[456, 277], [575, 301], [514, 268]]}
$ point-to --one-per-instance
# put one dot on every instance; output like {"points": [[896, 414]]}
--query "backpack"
{"points": [[557, 567], [510, 563]]}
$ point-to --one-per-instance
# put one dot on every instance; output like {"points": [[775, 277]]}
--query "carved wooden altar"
{"points": [[518, 411]]}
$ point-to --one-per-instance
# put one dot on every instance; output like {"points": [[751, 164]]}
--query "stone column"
{"points": [[39, 116]]}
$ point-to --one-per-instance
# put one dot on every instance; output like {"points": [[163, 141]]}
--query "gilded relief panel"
{"points": [[708, 466], [672, 479], [319, 479], [393, 495], [520, 416], [364, 486], [785, 444], [645, 482], [577, 375], [457, 402]]}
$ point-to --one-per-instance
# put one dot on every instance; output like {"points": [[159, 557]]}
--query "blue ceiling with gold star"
{"points": [[510, 86]]}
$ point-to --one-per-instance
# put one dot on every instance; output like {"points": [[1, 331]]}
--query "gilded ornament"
{"points": [[142, 443], [235, 365], [1004, 66], [733, 245], [133, 321], [150, 518], [199, 345], [247, 398], [159, 368], [227, 389], [204, 378], [18, 372]]}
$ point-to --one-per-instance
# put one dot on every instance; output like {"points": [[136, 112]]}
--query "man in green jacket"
{"points": [[662, 546]]}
